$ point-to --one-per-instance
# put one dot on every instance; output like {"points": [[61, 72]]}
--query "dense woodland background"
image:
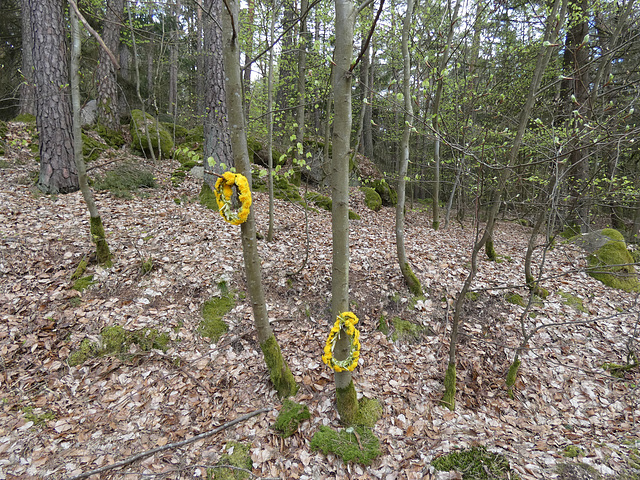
{"points": [[479, 168]]}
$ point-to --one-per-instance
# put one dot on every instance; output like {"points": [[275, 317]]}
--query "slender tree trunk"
{"points": [[300, 110], [200, 77], [217, 144], [281, 376], [173, 62], [103, 255], [107, 113], [246, 82], [272, 22], [27, 88], [409, 277], [58, 173], [346, 397], [436, 112]]}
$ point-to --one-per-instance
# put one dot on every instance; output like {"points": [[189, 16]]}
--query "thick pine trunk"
{"points": [[58, 173], [217, 144], [108, 115], [27, 89]]}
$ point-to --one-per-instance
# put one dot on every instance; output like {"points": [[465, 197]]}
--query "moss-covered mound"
{"points": [[371, 198], [115, 340], [612, 263], [113, 138], [160, 140], [353, 444], [387, 194], [92, 148], [290, 417]]}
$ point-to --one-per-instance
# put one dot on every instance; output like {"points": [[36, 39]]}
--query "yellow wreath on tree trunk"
{"points": [[345, 324], [223, 191]]}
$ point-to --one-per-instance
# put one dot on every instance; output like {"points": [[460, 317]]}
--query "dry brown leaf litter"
{"points": [[108, 409]]}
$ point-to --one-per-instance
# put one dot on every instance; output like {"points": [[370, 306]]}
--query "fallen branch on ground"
{"points": [[171, 445]]}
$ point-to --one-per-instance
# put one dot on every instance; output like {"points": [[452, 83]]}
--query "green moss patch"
{"points": [[38, 416], [283, 189], [383, 326], [572, 301], [125, 179], [290, 417], [238, 456], [113, 138], [612, 264], [212, 325], [572, 451], [371, 198], [476, 463], [352, 444], [83, 283], [115, 340], [92, 148], [406, 331], [449, 396], [25, 118]]}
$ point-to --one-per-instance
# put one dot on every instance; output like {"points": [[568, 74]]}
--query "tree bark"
{"points": [[58, 172], [27, 89], [107, 113], [217, 143], [409, 277], [281, 376]]}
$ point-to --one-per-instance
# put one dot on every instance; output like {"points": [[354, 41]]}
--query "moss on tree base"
{"points": [[449, 397], [512, 376], [279, 371], [103, 254]]}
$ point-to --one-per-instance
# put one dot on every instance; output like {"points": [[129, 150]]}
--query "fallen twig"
{"points": [[168, 446]]}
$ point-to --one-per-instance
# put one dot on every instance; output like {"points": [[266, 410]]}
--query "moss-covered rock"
{"points": [[611, 263], [283, 189], [160, 140], [406, 331], [387, 194], [92, 148], [113, 138], [573, 301], [195, 135], [372, 198], [175, 130]]}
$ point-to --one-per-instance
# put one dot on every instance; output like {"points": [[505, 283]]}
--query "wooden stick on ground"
{"points": [[168, 446]]}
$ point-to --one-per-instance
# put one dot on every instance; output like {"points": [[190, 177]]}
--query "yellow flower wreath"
{"points": [[346, 322], [223, 191]]}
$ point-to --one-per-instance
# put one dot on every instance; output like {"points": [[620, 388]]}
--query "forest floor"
{"points": [[59, 421]]}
